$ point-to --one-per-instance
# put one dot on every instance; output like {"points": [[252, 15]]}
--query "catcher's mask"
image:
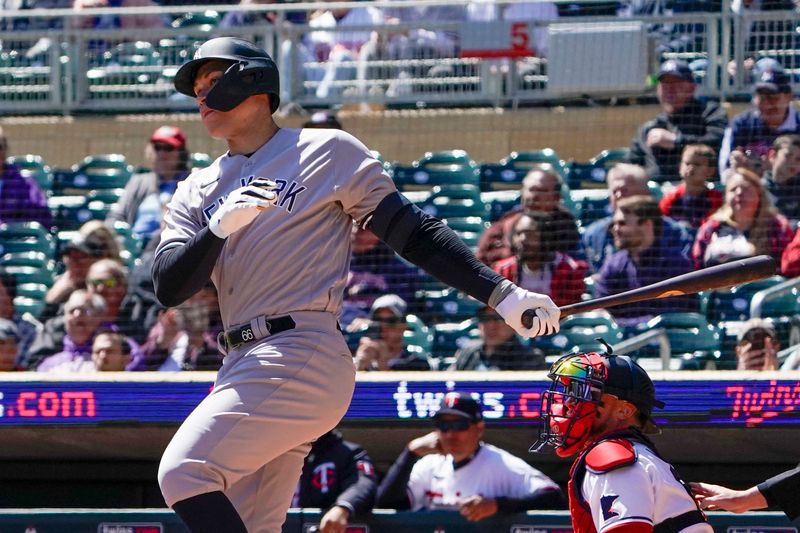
{"points": [[578, 381]]}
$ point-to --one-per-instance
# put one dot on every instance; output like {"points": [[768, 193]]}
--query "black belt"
{"points": [[235, 337], [680, 522]]}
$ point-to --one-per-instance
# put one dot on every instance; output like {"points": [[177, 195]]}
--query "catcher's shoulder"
{"points": [[610, 455]]}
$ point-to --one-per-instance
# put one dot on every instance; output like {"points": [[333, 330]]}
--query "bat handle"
{"points": [[530, 314]]}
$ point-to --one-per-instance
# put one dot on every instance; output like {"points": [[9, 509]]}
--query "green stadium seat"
{"points": [[206, 20], [500, 202], [106, 196], [36, 259], [45, 245], [580, 332], [199, 160], [509, 173], [452, 167], [450, 336], [33, 166], [108, 171], [455, 201], [28, 274], [692, 339], [418, 338], [35, 291], [466, 224], [24, 305], [592, 174], [71, 212], [734, 303], [590, 205], [129, 242], [448, 305]]}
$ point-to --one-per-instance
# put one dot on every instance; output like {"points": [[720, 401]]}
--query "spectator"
{"points": [[375, 269], [757, 346], [26, 324], [540, 191], [644, 257], [110, 351], [451, 468], [790, 260], [143, 20], [338, 476], [684, 120], [109, 279], [625, 180], [498, 348], [77, 255], [383, 347], [83, 314], [752, 133], [692, 201], [184, 337], [140, 205], [21, 199], [8, 346], [537, 265], [746, 225], [782, 177], [235, 18]]}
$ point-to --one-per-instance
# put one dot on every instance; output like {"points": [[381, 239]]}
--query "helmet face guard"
{"points": [[242, 80], [569, 406]]}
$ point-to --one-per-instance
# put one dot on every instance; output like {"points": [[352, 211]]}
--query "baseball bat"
{"points": [[706, 279]]}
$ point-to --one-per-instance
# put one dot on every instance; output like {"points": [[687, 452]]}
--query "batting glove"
{"points": [[242, 206], [518, 301]]}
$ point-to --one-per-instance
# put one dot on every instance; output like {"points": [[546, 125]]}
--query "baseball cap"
{"points": [[753, 325], [8, 330], [677, 68], [170, 135], [773, 80], [87, 244], [392, 302], [460, 404], [628, 381]]}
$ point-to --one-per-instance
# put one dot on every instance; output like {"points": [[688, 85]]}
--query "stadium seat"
{"points": [[19, 230], [35, 291], [448, 305], [33, 166], [590, 205], [509, 173], [449, 337], [452, 167], [500, 202], [205, 20], [28, 274], [580, 332], [693, 340], [592, 174], [199, 160], [455, 201], [36, 259], [71, 212], [418, 337], [108, 171]]}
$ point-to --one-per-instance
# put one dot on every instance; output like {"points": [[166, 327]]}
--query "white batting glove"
{"points": [[242, 206], [517, 302]]}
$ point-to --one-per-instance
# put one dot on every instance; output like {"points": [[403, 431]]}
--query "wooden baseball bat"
{"points": [[706, 279]]}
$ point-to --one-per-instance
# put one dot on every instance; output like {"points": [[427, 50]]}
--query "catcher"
{"points": [[598, 408]]}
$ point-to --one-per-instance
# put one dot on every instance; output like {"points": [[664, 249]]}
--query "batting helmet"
{"points": [[252, 71]]}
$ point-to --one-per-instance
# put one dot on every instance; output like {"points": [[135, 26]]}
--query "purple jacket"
{"points": [[71, 352], [21, 199], [620, 273]]}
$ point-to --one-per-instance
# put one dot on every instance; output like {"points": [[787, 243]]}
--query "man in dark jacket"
{"points": [[684, 120], [338, 476]]}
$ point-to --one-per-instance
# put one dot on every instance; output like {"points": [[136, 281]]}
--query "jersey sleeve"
{"points": [[618, 497], [361, 182], [183, 217]]}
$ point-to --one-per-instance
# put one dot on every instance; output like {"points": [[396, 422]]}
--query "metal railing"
{"points": [[67, 70]]}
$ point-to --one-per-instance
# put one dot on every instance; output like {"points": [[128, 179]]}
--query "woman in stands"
{"points": [[747, 224]]}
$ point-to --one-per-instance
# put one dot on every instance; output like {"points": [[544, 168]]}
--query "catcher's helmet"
{"points": [[579, 380], [252, 71]]}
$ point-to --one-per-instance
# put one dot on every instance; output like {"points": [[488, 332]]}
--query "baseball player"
{"points": [[598, 407], [269, 223]]}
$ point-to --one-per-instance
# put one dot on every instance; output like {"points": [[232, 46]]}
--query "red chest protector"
{"points": [[609, 452]]}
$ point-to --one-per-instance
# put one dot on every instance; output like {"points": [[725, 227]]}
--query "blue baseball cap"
{"points": [[773, 80], [677, 68]]}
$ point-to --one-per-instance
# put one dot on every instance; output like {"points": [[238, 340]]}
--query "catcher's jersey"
{"points": [[435, 484], [646, 491], [326, 179]]}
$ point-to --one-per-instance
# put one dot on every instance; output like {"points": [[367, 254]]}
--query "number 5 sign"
{"points": [[496, 39]]}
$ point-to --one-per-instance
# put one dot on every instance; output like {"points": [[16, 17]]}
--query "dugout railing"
{"points": [[64, 69]]}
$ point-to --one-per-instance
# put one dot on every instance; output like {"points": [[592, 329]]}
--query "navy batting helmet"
{"points": [[252, 72]]}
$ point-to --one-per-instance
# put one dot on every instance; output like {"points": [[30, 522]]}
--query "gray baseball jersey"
{"points": [[326, 179]]}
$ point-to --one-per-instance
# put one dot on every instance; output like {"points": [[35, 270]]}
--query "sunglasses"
{"points": [[109, 283], [390, 320], [164, 148], [453, 425]]}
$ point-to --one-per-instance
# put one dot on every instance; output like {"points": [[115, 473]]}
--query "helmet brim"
{"points": [[184, 78]]}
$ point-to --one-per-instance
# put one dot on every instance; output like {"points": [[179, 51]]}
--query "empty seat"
{"points": [[509, 173], [450, 336], [452, 167], [108, 171], [592, 174], [580, 332], [33, 166], [455, 201], [28, 274], [35, 258]]}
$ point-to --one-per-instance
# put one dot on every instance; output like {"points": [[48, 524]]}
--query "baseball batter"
{"points": [[598, 407], [269, 222]]}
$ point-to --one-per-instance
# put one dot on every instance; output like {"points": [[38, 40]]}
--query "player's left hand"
{"points": [[518, 301], [477, 508], [335, 520], [242, 206]]}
